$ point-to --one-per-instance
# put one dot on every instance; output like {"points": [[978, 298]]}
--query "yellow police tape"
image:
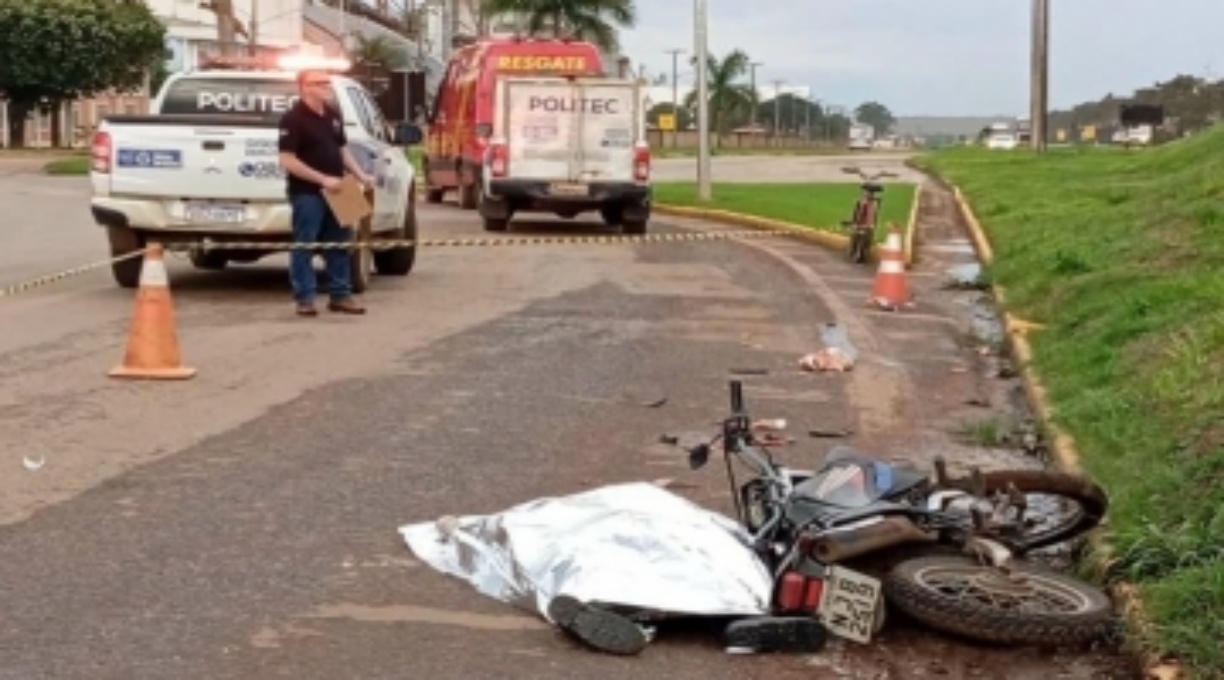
{"points": [[388, 244], [14, 289]]}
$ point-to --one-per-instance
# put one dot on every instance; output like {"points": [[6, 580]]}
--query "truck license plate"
{"points": [[849, 604], [568, 189], [215, 213]]}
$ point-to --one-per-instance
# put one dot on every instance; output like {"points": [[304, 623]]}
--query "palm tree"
{"points": [[728, 96], [593, 20]]}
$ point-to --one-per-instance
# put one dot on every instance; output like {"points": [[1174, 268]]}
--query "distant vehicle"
{"points": [[1002, 140], [862, 137]]}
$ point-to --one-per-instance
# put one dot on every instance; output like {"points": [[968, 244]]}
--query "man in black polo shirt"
{"points": [[314, 154]]}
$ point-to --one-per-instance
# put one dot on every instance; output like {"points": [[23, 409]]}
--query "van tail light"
{"points": [[100, 154], [499, 159], [641, 162]]}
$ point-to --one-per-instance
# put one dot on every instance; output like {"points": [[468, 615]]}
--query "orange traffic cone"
{"points": [[892, 245], [152, 349], [891, 289]]}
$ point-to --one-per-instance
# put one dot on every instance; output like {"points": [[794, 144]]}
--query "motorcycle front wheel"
{"points": [[1075, 505], [1026, 606], [859, 244]]}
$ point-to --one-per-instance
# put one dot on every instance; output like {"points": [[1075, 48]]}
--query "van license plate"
{"points": [[215, 213], [568, 189], [849, 604]]}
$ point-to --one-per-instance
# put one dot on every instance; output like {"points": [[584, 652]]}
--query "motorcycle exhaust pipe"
{"points": [[848, 543]]}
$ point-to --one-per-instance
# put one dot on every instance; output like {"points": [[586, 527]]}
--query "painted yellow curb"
{"points": [[911, 227], [1066, 455], [823, 238]]}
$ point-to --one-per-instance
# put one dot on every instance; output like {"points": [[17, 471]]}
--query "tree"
{"points": [[55, 51], [593, 20], [728, 96], [877, 116]]}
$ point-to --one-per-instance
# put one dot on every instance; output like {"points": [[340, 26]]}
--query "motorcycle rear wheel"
{"points": [[962, 596], [1090, 498]]}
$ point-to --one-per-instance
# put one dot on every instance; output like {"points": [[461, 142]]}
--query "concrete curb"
{"points": [[1066, 455], [823, 238]]}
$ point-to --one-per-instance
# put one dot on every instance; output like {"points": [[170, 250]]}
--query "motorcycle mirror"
{"points": [[698, 456]]}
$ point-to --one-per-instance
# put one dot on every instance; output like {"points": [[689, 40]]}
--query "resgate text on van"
{"points": [[541, 63], [574, 105]]}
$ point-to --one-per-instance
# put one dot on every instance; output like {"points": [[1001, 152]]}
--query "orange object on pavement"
{"points": [[891, 289], [152, 348]]}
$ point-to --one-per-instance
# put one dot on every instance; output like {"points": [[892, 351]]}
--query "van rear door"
{"points": [[580, 130]]}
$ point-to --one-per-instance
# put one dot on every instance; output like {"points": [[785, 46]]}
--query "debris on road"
{"points": [[838, 354], [966, 276], [830, 434], [631, 550], [33, 465]]}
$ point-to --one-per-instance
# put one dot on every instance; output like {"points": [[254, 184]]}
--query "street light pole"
{"points": [[1039, 104], [777, 107], [700, 17], [675, 98], [756, 100]]}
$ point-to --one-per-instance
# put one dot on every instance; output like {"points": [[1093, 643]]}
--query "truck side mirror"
{"points": [[407, 134]]}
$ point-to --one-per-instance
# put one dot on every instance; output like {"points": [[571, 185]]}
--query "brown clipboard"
{"points": [[349, 203]]}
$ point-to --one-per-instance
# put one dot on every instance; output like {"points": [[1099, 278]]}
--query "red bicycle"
{"points": [[866, 216]]}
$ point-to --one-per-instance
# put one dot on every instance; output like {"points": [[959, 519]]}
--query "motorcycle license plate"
{"points": [[849, 604]]}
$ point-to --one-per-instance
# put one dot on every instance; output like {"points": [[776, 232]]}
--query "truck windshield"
{"points": [[267, 97]]}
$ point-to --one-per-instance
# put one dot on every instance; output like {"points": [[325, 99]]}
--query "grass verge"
{"points": [[73, 165], [818, 206], [1120, 255]]}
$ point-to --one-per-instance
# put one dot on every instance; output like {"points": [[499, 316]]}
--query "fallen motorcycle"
{"points": [[960, 543]]}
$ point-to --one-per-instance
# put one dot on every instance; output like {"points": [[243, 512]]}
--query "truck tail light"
{"points": [[100, 155], [499, 159], [641, 162]]}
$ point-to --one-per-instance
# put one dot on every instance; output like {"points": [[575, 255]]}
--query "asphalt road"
{"points": [[243, 525]]}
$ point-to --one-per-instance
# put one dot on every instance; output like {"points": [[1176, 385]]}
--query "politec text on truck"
{"points": [[567, 146], [461, 117]]}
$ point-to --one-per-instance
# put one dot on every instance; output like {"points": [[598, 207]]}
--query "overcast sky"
{"points": [[943, 57]]}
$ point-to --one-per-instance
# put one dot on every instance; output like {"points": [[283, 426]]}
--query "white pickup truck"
{"points": [[567, 146], [203, 165]]}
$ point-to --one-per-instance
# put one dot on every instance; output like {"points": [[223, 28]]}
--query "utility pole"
{"points": [[253, 33], [675, 97], [756, 99], [807, 118], [700, 17], [777, 107], [1039, 109]]}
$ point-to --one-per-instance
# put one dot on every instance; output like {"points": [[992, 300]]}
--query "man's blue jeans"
{"points": [[313, 222]]}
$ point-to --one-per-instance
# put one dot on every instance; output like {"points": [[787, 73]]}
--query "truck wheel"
{"points": [[399, 261], [495, 224], [122, 242], [362, 260], [610, 216], [434, 195], [634, 226], [469, 196]]}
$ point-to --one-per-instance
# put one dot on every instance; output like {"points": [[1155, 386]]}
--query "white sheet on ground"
{"points": [[636, 546]]}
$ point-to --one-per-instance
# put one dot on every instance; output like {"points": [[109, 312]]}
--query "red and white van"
{"points": [[461, 118]]}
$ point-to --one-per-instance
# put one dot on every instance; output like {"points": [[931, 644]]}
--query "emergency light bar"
{"points": [[306, 62]]}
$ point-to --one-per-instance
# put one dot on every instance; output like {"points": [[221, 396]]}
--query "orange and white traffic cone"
{"points": [[891, 289], [892, 245], [152, 348]]}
